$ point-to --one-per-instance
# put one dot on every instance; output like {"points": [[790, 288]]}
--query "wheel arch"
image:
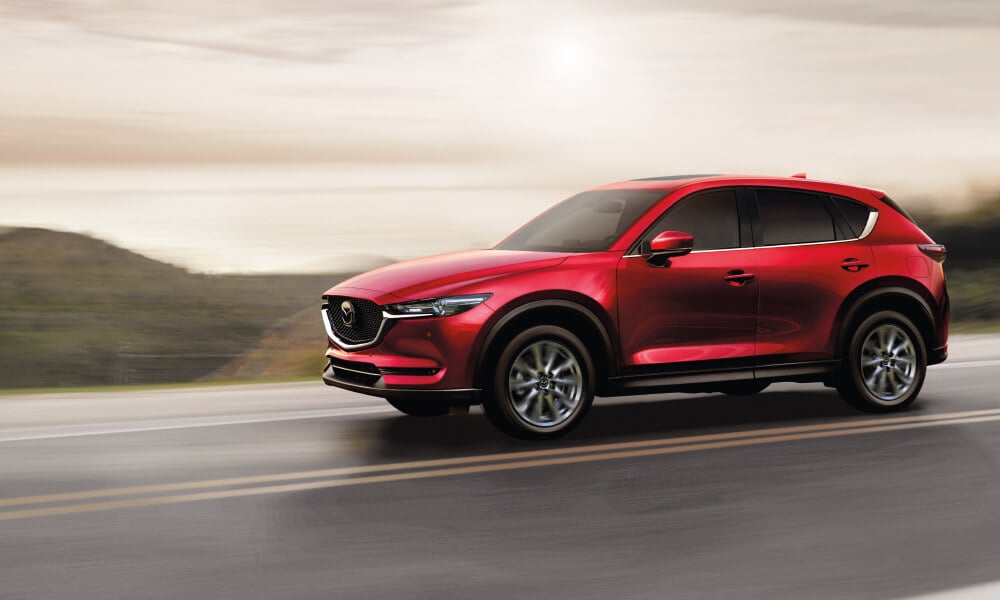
{"points": [[578, 314], [887, 293]]}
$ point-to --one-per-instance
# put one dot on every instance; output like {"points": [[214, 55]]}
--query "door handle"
{"points": [[738, 277], [853, 265]]}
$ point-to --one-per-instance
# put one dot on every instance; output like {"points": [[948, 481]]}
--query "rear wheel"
{"points": [[885, 364], [420, 408], [542, 385]]}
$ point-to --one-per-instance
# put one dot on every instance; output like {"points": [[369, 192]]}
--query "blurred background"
{"points": [[179, 182]]}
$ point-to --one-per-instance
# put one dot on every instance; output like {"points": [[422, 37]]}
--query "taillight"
{"points": [[936, 251]]}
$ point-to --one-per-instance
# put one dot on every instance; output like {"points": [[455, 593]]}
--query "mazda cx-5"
{"points": [[700, 283]]}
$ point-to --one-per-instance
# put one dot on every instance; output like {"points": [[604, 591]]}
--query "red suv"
{"points": [[694, 283]]}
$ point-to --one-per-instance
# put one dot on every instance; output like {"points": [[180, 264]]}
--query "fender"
{"points": [[578, 304], [872, 290]]}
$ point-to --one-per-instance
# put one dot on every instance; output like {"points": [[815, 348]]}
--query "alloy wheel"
{"points": [[546, 384], [888, 363]]}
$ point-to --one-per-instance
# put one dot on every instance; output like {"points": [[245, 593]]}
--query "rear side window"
{"points": [[792, 217], [711, 217], [855, 213]]}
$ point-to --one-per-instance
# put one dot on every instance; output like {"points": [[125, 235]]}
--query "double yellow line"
{"points": [[236, 487]]}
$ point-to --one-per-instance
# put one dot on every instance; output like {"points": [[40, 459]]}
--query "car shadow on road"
{"points": [[409, 438]]}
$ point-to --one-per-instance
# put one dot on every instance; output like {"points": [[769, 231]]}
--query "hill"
{"points": [[79, 311], [293, 347]]}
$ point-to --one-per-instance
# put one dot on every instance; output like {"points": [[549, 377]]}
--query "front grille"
{"points": [[354, 320]]}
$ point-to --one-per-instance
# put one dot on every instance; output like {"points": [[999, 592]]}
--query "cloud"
{"points": [[291, 30], [119, 140], [894, 13]]}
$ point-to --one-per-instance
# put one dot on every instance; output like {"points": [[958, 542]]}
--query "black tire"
{"points": [[420, 408], [897, 376], [744, 388], [562, 395]]}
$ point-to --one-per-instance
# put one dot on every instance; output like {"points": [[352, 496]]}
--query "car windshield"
{"points": [[587, 222]]}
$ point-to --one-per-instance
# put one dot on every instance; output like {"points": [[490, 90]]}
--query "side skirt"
{"points": [[713, 380]]}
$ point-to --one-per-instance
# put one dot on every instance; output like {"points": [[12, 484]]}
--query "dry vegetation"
{"points": [[79, 311]]}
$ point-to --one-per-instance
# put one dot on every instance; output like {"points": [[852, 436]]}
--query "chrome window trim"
{"points": [[698, 251], [869, 227]]}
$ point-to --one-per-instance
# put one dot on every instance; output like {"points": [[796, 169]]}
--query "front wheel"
{"points": [[542, 385], [885, 364]]}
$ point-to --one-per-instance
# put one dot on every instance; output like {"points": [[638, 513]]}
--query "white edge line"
{"points": [[966, 364], [46, 433], [986, 591]]}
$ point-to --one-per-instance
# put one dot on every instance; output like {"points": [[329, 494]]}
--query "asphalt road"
{"points": [[302, 491]]}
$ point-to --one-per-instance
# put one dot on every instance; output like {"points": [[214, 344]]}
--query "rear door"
{"points": [[809, 260]]}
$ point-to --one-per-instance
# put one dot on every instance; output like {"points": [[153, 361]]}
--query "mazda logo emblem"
{"points": [[347, 313]]}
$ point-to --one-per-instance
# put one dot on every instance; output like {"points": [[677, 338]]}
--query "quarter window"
{"points": [[855, 213], [711, 217], [791, 217]]}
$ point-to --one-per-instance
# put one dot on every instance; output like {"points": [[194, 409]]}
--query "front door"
{"points": [[698, 310]]}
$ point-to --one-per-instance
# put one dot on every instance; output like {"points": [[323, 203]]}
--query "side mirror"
{"points": [[669, 244]]}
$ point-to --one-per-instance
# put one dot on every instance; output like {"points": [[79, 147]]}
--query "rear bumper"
{"points": [[937, 355], [374, 385]]}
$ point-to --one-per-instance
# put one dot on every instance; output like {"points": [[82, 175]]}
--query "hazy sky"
{"points": [[180, 99]]}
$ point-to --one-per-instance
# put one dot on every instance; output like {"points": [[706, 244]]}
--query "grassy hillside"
{"points": [[294, 347], [78, 311]]}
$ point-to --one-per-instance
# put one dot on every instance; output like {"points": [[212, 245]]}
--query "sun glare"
{"points": [[568, 57]]}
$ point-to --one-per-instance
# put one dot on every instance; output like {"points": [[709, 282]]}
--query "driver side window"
{"points": [[711, 217]]}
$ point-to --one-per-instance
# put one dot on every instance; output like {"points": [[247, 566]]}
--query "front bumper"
{"points": [[432, 353], [363, 380]]}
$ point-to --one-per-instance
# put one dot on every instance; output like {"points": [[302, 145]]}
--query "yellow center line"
{"points": [[465, 460], [485, 468]]}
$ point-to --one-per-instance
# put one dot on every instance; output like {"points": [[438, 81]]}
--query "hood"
{"points": [[447, 273]]}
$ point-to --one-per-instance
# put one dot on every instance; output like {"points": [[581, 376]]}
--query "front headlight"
{"points": [[437, 307]]}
